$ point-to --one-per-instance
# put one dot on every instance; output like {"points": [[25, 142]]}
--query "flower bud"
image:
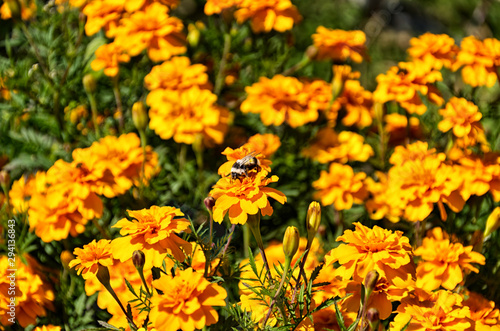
{"points": [[371, 280], [291, 241], [193, 36], [103, 275], [373, 317], [66, 257], [379, 111], [209, 203], [493, 222], [138, 258], [89, 83], [311, 51], [313, 220], [4, 178], [139, 116]]}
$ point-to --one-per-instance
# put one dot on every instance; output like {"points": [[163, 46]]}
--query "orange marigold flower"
{"points": [[483, 312], [340, 186], [20, 193], [340, 45], [33, 295], [441, 310], [102, 14], [152, 29], [235, 154], [480, 61], [435, 50], [405, 82], [177, 74], [4, 91], [387, 252], [357, 102], [267, 15], [278, 100], [28, 9], [396, 125], [108, 57], [47, 328], [443, 262], [93, 255], [242, 197], [152, 231], [381, 204], [187, 301], [184, 115], [265, 144], [344, 147], [217, 6]]}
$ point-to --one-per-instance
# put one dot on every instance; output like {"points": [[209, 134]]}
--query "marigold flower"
{"points": [[152, 29], [93, 255], [380, 204], [108, 57], [344, 147], [28, 9], [278, 100], [340, 45], [33, 295], [21, 192], [187, 301], [47, 328], [435, 50], [267, 15], [152, 231], [217, 6], [235, 154], [404, 83], [102, 14], [357, 102], [387, 252], [185, 115], [4, 91], [480, 61], [441, 310], [443, 262], [340, 186], [265, 144], [243, 197], [396, 125], [493, 222], [483, 312]]}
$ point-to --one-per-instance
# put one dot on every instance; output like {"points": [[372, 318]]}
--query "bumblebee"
{"points": [[242, 166]]}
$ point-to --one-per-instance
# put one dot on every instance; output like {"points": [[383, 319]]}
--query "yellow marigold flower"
{"points": [[317, 95], [217, 6], [152, 29], [404, 83], [267, 15], [340, 45], [135, 5], [28, 9], [20, 193], [480, 61], [74, 115], [242, 197], [435, 50], [265, 144], [381, 204], [183, 115], [387, 252], [419, 150], [493, 222], [443, 262], [483, 312], [33, 295], [463, 117], [102, 14], [187, 301], [93, 255], [441, 310], [235, 154], [152, 231], [340, 186], [278, 100], [480, 175], [396, 125], [344, 147], [357, 102], [108, 57], [47, 328], [177, 74]]}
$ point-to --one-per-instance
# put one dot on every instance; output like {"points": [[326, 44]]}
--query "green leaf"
{"points": [[340, 318], [130, 288], [354, 325], [407, 325]]}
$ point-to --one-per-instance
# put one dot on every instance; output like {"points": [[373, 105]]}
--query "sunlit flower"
{"points": [[267, 15], [483, 312], [318, 95], [33, 295], [396, 125], [235, 154], [217, 6], [21, 192], [479, 61], [340, 186], [357, 102], [443, 263], [152, 231], [387, 252], [340, 45], [152, 29], [246, 196], [47, 328], [405, 82], [187, 301], [343, 147], [280, 99], [441, 310], [380, 204], [108, 57], [185, 115], [435, 51], [93, 255], [265, 144], [102, 14], [28, 9]]}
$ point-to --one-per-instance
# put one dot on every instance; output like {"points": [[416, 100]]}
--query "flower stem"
{"points": [[113, 294], [254, 225], [288, 261], [118, 99], [222, 66]]}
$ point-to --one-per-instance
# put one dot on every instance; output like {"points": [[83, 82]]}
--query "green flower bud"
{"points": [[291, 241], [139, 116], [313, 220]]}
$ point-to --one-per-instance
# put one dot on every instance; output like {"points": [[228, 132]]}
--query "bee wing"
{"points": [[248, 157]]}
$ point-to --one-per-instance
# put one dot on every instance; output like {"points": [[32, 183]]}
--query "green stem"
{"points": [[101, 229], [141, 273], [142, 176], [296, 67], [93, 107], [254, 225], [119, 106], [113, 294], [219, 81], [288, 261]]}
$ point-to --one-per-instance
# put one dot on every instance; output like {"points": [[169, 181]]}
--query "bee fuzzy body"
{"points": [[242, 166]]}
